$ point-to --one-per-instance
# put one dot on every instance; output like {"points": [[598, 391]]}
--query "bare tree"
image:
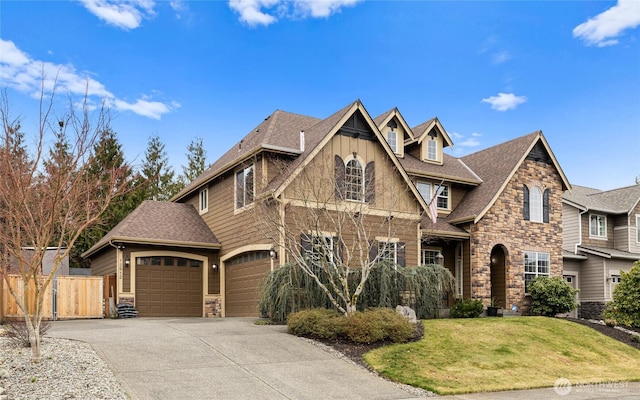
{"points": [[48, 198], [330, 224]]}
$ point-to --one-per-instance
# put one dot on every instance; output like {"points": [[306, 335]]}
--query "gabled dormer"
{"points": [[395, 130], [430, 139]]}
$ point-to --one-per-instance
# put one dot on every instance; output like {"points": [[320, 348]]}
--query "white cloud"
{"points": [[22, 73], [126, 14], [500, 57], [471, 142], [266, 12], [457, 135], [476, 134], [505, 101], [602, 29]]}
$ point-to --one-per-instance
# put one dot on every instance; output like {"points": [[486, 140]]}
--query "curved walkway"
{"points": [[197, 358]]}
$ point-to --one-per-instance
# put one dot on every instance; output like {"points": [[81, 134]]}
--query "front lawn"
{"points": [[491, 354]]}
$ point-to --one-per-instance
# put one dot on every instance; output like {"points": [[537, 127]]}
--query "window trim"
{"points": [[428, 185], [439, 196], [245, 171], [435, 149], [537, 261], [203, 200], [394, 146], [597, 235], [392, 246], [437, 250], [349, 184]]}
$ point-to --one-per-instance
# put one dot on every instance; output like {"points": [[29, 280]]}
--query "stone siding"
{"points": [[504, 224], [591, 310], [213, 307]]}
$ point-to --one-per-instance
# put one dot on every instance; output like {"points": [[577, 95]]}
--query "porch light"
{"points": [[214, 267], [273, 253], [126, 263]]}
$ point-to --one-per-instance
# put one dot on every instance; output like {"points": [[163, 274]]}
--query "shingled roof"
{"points": [[452, 169], [160, 222], [617, 201], [495, 166]]}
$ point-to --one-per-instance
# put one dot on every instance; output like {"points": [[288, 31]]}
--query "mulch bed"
{"points": [[355, 351]]}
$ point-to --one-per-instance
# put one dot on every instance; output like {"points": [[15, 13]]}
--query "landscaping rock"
{"points": [[407, 312], [4, 374]]}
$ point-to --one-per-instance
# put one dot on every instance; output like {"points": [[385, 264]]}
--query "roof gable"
{"points": [[389, 116], [496, 166], [423, 130]]}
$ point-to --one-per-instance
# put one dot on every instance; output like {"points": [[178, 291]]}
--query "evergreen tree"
{"points": [[196, 163], [157, 172], [108, 156]]}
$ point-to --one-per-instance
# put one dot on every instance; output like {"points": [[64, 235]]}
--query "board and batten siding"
{"points": [[570, 227]]}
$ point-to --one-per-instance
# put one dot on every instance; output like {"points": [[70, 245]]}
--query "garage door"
{"points": [[168, 287], [243, 275]]}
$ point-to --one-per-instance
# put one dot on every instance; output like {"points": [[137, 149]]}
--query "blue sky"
{"points": [[490, 71]]}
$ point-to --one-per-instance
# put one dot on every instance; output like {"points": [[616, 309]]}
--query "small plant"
{"points": [[551, 296], [16, 331], [610, 322], [625, 307], [34, 379], [494, 302], [467, 308], [635, 338]]}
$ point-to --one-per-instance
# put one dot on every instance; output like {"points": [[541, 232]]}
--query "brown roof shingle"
{"points": [[170, 223]]}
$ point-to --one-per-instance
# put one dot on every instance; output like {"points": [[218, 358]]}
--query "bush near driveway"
{"points": [[370, 326], [490, 354]]}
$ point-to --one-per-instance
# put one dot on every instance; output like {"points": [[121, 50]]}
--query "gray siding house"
{"points": [[601, 238]]}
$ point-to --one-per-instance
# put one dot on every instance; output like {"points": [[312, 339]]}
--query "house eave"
{"points": [[155, 242]]}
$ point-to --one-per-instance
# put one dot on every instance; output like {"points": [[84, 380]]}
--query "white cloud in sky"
{"points": [[124, 14], [20, 72], [602, 29], [505, 101], [500, 57], [266, 12]]}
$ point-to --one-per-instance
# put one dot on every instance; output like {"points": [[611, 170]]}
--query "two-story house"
{"points": [[601, 238], [498, 225]]}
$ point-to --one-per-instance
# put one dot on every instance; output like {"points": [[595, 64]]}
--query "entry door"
{"points": [[572, 281]]}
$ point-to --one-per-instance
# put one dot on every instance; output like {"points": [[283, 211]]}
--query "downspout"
{"points": [[119, 272]]}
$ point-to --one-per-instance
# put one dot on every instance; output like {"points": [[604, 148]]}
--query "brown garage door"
{"points": [[243, 275], [168, 287]]}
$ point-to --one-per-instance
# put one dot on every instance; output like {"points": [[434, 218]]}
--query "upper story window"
{"points": [[638, 228], [392, 139], [598, 226], [432, 150], [204, 200], [443, 196], [424, 188], [354, 180], [244, 186], [535, 264], [535, 204]]}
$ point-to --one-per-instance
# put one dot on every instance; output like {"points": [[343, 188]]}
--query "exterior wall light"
{"points": [[273, 253]]}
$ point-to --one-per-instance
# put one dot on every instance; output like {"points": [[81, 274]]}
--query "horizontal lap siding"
{"points": [[104, 263]]}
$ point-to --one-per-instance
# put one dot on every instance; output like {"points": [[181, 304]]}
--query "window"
{"points": [[204, 200], [443, 196], [244, 187], [598, 226], [638, 228], [392, 139], [535, 205], [424, 188], [388, 252], [319, 249], [354, 181], [432, 150], [615, 280], [535, 264], [430, 256]]}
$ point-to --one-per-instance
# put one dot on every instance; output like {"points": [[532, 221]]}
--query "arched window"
{"points": [[535, 204], [354, 180]]}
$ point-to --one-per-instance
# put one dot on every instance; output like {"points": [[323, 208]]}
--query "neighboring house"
{"points": [[48, 261], [499, 212], [601, 237]]}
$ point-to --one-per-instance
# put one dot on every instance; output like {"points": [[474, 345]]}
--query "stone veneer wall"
{"points": [[591, 310], [213, 307], [503, 224]]}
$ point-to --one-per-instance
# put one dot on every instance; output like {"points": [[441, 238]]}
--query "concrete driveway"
{"points": [[197, 358]]}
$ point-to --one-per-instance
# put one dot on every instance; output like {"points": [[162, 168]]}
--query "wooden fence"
{"points": [[75, 297]]}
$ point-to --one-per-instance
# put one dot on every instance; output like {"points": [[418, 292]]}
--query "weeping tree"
{"points": [[288, 289], [47, 197], [335, 222]]}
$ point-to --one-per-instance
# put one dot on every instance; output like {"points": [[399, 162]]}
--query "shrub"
{"points": [[625, 306], [17, 331], [551, 296], [610, 322], [635, 338], [361, 327], [467, 308], [318, 323]]}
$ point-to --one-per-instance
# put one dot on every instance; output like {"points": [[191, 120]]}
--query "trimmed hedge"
{"points": [[467, 308], [370, 326]]}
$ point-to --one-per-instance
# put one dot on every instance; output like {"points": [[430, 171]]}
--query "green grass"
{"points": [[490, 354]]}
